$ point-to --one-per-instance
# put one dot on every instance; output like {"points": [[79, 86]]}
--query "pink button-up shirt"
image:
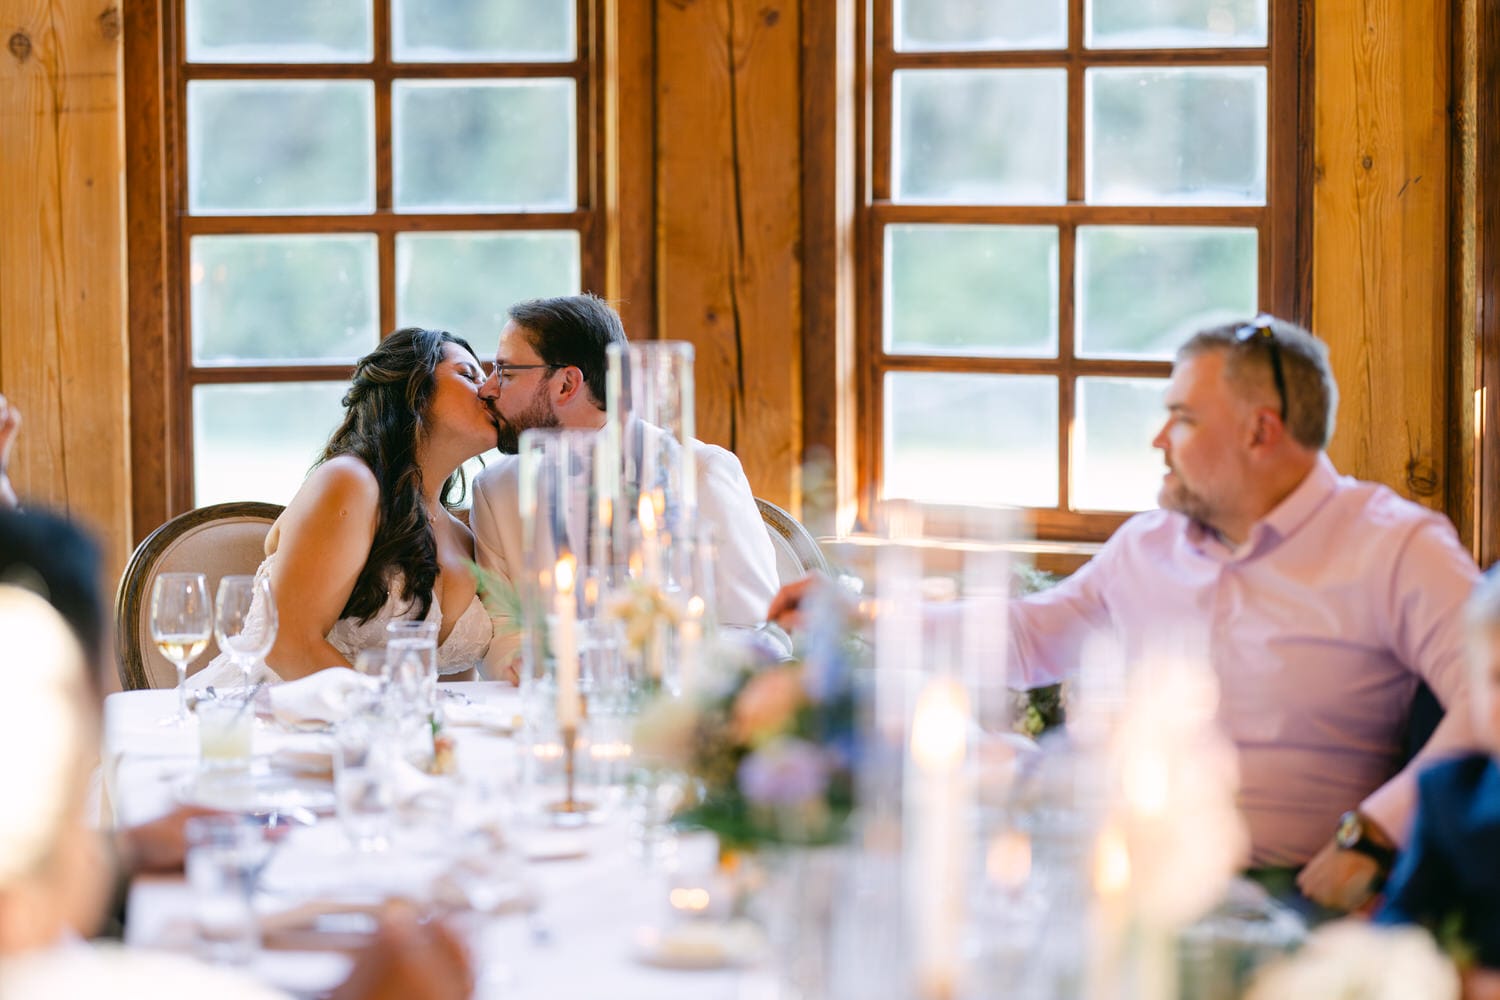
{"points": [[1318, 627]]}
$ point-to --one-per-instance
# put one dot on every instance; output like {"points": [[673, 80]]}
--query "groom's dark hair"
{"points": [[572, 331]]}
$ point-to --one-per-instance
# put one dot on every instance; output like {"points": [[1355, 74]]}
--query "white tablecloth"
{"points": [[580, 943]]}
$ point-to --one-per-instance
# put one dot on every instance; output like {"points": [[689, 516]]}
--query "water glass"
{"points": [[411, 662], [224, 856], [226, 733], [363, 784]]}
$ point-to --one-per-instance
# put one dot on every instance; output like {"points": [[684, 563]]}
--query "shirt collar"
{"points": [[1283, 519], [1289, 515]]}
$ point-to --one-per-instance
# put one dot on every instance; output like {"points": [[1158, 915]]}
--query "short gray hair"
{"points": [[1312, 396]]}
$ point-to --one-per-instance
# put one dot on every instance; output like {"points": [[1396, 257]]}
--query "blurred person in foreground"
{"points": [[550, 369], [54, 874], [1448, 875], [1321, 602], [369, 537]]}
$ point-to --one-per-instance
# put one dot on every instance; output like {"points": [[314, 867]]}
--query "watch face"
{"points": [[1349, 831]]}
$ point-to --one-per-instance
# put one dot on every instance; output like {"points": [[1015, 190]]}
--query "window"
{"points": [[1059, 193], [341, 169]]}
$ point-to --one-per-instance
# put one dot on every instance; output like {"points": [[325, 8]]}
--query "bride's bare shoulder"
{"points": [[340, 495]]}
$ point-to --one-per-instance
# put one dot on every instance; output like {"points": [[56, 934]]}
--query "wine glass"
{"points": [[181, 622], [245, 641]]}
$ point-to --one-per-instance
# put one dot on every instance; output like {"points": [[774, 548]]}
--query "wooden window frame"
{"points": [[1284, 222], [613, 215]]}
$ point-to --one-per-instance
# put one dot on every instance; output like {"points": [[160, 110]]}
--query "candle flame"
{"points": [[695, 900], [1111, 863], [564, 574], [940, 727], [1147, 781], [1008, 861], [695, 607], [647, 513]]}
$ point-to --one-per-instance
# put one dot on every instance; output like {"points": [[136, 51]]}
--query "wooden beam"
{"points": [[829, 486], [1380, 267], [62, 263], [728, 205]]}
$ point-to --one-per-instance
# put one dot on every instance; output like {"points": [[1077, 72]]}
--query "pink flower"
{"points": [[767, 704]]}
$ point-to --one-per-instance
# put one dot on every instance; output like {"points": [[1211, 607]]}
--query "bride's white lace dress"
{"points": [[463, 648]]}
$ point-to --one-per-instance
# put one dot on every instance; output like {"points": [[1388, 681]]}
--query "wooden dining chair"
{"points": [[797, 551], [217, 541]]}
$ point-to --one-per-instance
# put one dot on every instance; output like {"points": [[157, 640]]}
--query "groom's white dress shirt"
{"points": [[744, 565]]}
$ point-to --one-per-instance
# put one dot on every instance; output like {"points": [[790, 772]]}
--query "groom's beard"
{"points": [[538, 413]]}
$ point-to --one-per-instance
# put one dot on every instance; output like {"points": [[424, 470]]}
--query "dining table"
{"points": [[578, 913]]}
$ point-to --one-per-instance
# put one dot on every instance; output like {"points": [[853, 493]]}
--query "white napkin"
{"points": [[321, 697]]}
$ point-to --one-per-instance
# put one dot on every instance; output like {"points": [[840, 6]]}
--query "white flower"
{"points": [[1355, 960]]}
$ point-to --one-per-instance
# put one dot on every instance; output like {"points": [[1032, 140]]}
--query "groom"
{"points": [[549, 372]]}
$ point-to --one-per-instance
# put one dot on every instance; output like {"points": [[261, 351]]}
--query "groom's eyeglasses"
{"points": [[1259, 331], [503, 372]]}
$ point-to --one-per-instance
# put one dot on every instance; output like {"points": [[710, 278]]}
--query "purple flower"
{"points": [[786, 772]]}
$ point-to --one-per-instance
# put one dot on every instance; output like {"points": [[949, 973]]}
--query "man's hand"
{"points": [[786, 606], [1340, 879], [160, 845], [1481, 984], [409, 960]]}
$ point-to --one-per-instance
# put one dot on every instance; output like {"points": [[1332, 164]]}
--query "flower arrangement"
{"points": [[771, 747]]}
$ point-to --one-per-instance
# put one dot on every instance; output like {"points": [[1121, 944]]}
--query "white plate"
{"points": [[700, 944], [256, 791]]}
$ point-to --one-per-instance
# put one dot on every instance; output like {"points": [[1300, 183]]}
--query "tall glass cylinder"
{"points": [[651, 428], [565, 518]]}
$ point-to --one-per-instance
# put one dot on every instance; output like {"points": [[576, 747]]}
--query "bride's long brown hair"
{"points": [[385, 417]]}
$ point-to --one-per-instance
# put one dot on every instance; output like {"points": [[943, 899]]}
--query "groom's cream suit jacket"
{"points": [[744, 567]]}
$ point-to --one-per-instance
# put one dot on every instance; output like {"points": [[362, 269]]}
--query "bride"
{"points": [[369, 538]]}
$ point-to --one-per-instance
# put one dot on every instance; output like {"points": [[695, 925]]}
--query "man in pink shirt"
{"points": [[1322, 601]]}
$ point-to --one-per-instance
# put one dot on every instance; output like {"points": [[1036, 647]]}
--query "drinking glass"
{"points": [[245, 640], [181, 623], [224, 856], [362, 782], [226, 732], [411, 662]]}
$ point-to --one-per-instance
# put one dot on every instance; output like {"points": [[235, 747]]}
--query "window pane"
{"points": [[935, 25], [270, 148], [988, 439], [261, 299], [956, 135], [256, 442], [1130, 24], [465, 282], [1114, 465], [478, 146], [483, 30], [1143, 290], [1176, 136], [279, 31], [978, 290]]}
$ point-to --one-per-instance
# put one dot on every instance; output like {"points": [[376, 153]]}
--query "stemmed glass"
{"points": [[181, 623], [245, 641]]}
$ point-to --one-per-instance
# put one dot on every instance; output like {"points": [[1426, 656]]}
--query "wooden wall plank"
{"points": [[728, 203], [62, 281], [1380, 243]]}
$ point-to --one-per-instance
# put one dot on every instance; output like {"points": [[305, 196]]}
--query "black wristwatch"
{"points": [[1352, 835]]}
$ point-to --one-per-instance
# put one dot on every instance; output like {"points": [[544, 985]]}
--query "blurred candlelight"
{"points": [[1008, 860], [564, 645]]}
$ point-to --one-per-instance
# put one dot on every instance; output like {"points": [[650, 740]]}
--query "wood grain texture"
{"points": [[62, 281], [1463, 455], [1380, 243], [728, 203], [829, 484]]}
